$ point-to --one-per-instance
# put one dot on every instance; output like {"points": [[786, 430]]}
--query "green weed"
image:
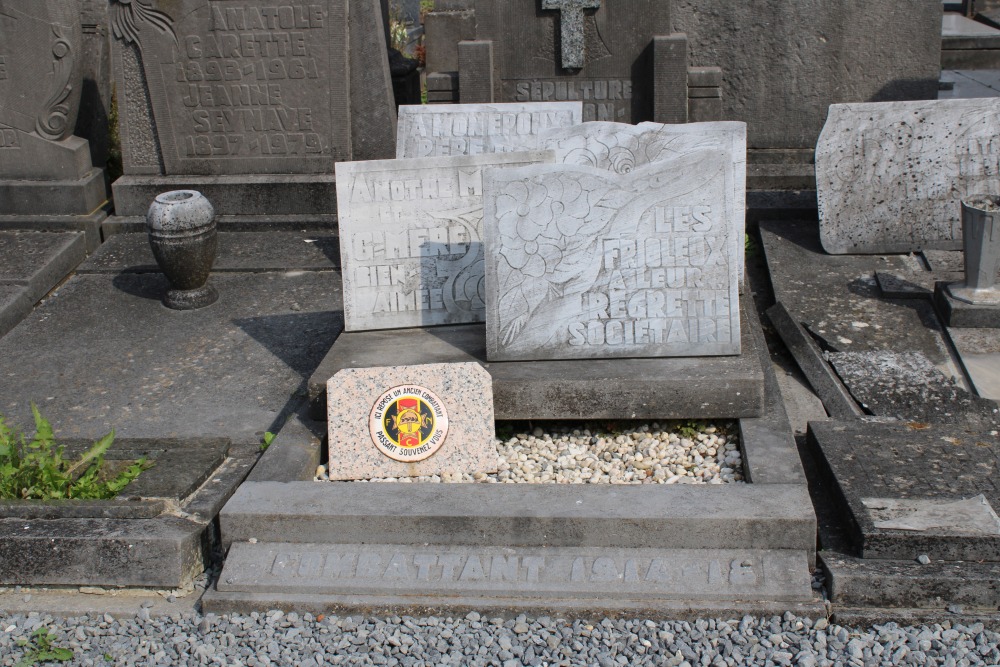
{"points": [[40, 649], [37, 470]]}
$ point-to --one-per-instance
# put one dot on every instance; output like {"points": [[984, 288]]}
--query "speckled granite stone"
{"points": [[465, 393]]}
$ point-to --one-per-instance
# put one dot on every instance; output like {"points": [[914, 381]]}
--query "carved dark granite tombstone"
{"points": [[46, 175], [583, 263], [616, 56], [251, 103]]}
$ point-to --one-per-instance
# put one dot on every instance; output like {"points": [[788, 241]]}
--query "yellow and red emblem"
{"points": [[408, 423]]}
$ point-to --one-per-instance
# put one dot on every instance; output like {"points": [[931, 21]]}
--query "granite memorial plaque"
{"points": [[599, 52], [239, 87], [586, 263], [408, 421], [411, 239], [890, 176], [471, 129]]}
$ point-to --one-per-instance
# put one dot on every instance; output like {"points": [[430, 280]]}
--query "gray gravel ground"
{"points": [[290, 639]]}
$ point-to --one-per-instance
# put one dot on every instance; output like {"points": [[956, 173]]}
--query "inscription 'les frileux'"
{"points": [[237, 78]]}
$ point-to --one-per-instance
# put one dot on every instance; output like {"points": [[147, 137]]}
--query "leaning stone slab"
{"points": [[907, 386], [407, 421], [411, 239], [471, 129], [584, 264], [889, 176]]}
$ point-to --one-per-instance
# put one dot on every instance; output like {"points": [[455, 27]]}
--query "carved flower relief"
{"points": [[529, 241]]}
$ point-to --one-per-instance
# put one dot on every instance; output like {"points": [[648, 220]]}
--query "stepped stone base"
{"points": [[660, 388]]}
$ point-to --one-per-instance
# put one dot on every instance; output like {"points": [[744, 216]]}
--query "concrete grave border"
{"points": [[157, 534], [280, 505]]}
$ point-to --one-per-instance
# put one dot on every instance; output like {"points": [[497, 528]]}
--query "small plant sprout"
{"points": [[39, 649]]}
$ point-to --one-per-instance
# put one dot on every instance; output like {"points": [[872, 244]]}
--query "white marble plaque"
{"points": [[586, 263], [622, 148], [411, 239], [436, 130], [890, 175]]}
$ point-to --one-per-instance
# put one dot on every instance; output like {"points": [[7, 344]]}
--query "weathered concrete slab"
{"points": [[14, 305], [979, 353], [665, 388], [238, 252], [809, 357], [914, 162], [968, 44], [907, 386], [31, 264], [148, 544], [957, 313], [908, 462], [765, 516], [906, 583], [39, 260], [473, 129], [584, 263], [408, 421], [230, 370], [412, 239], [552, 574], [836, 297]]}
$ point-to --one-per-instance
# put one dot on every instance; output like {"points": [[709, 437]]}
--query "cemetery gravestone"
{"points": [[623, 148], [615, 57], [248, 102], [45, 171], [411, 239], [890, 176], [408, 421], [583, 263], [785, 63], [471, 129]]}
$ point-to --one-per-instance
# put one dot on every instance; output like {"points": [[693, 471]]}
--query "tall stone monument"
{"points": [[47, 180], [250, 103], [616, 56]]}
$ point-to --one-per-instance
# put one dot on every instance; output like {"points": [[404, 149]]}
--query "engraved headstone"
{"points": [[600, 52], [408, 421], [890, 176], [623, 148], [277, 91], [586, 263], [472, 129], [47, 179], [411, 239]]}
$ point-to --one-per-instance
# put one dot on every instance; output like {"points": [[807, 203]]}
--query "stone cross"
{"points": [[571, 28]]}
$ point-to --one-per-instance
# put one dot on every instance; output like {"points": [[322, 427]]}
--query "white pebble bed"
{"points": [[645, 454]]}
